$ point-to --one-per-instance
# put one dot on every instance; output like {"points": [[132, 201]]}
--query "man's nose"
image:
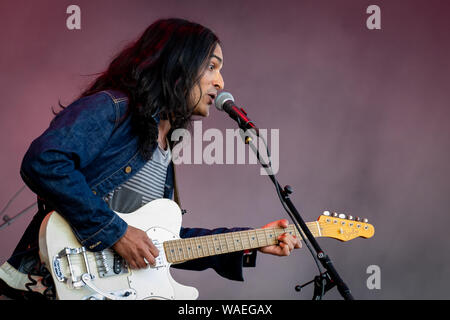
{"points": [[219, 84]]}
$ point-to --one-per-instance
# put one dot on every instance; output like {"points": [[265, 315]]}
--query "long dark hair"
{"points": [[157, 73]]}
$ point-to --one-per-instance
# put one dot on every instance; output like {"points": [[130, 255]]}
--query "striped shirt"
{"points": [[146, 185]]}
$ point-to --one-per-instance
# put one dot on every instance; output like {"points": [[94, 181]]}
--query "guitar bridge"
{"points": [[69, 258]]}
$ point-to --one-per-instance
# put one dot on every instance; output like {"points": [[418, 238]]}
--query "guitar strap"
{"points": [[176, 196]]}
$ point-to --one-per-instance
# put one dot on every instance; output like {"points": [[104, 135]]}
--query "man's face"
{"points": [[211, 81]]}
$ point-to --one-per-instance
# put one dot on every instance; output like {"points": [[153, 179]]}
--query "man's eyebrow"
{"points": [[218, 58]]}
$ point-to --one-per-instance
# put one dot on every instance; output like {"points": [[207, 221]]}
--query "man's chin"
{"points": [[204, 112], [200, 115]]}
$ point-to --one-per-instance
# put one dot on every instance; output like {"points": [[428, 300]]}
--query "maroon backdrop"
{"points": [[363, 119]]}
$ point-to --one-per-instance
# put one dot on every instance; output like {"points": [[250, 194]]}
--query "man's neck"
{"points": [[163, 130]]}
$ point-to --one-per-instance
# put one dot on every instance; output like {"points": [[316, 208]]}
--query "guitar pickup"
{"points": [[109, 263]]}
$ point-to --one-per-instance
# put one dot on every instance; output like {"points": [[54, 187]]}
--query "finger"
{"points": [[285, 249], [130, 259], [153, 249], [142, 264], [150, 258], [288, 240], [283, 223], [132, 264], [290, 244], [295, 242], [298, 243], [141, 260]]}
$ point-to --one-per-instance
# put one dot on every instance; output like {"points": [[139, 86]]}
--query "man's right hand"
{"points": [[134, 246]]}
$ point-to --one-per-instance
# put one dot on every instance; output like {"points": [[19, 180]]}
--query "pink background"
{"points": [[363, 118]]}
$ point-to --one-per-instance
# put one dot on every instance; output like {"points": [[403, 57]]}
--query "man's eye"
{"points": [[211, 67]]}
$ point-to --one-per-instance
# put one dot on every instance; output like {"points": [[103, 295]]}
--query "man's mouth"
{"points": [[212, 97]]}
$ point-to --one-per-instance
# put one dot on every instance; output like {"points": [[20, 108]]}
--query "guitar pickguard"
{"points": [[80, 274]]}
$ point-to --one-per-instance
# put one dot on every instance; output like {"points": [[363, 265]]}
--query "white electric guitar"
{"points": [[80, 274]]}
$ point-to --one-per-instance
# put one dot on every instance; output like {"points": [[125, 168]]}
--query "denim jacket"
{"points": [[87, 151]]}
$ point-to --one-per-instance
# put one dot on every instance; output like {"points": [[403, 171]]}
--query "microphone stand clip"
{"points": [[322, 284]]}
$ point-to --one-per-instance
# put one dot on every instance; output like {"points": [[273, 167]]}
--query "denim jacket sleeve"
{"points": [[51, 168]]}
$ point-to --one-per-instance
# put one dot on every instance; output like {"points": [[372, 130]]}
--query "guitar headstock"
{"points": [[343, 227]]}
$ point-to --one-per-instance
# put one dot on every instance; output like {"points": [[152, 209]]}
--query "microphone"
{"points": [[225, 102]]}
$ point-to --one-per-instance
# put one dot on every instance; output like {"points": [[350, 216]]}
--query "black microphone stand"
{"points": [[326, 280]]}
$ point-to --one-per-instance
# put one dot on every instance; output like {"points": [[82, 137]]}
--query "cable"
{"points": [[11, 200], [9, 220]]}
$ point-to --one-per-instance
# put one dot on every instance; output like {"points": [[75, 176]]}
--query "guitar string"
{"points": [[225, 237], [223, 241], [259, 233]]}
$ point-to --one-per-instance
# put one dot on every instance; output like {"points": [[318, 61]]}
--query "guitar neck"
{"points": [[181, 250]]}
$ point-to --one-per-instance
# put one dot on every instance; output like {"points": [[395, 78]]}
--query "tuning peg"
{"points": [[365, 220], [350, 217], [342, 216], [326, 213], [335, 214], [358, 219]]}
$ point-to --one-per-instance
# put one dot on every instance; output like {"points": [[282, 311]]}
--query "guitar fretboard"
{"points": [[182, 250]]}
